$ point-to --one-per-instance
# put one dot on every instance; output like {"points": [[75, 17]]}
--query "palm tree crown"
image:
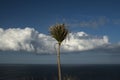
{"points": [[59, 32]]}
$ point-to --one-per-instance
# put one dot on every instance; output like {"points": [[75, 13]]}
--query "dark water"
{"points": [[69, 72]]}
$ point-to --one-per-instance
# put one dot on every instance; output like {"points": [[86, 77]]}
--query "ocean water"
{"points": [[69, 72]]}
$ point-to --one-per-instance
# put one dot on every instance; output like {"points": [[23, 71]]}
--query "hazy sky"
{"points": [[94, 26]]}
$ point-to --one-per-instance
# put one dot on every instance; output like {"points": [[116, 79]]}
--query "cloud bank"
{"points": [[30, 40]]}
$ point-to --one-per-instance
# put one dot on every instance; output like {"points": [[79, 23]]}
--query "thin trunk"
{"points": [[58, 62]]}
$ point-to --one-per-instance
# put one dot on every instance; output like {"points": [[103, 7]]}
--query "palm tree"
{"points": [[59, 32]]}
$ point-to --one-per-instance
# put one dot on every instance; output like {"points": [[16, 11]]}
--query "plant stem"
{"points": [[58, 62]]}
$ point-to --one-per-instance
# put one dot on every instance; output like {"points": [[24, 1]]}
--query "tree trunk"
{"points": [[58, 62]]}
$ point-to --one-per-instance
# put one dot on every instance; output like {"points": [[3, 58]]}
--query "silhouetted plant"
{"points": [[59, 32]]}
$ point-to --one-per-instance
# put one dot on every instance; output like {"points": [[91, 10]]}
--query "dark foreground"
{"points": [[69, 72]]}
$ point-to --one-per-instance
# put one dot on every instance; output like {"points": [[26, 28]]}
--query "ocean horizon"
{"points": [[69, 71]]}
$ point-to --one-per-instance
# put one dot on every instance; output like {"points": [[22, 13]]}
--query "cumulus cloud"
{"points": [[81, 41], [17, 39], [28, 39]]}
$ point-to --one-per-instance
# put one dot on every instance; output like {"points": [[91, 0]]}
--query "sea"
{"points": [[69, 72]]}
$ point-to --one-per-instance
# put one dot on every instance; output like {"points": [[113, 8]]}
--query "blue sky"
{"points": [[42, 14], [94, 17]]}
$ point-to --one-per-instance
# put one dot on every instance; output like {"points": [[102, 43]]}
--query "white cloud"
{"points": [[81, 41], [30, 40], [27, 39], [17, 39]]}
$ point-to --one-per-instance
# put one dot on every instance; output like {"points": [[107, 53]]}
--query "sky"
{"points": [[94, 31]]}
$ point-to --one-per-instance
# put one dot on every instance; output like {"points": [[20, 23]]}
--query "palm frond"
{"points": [[59, 32]]}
